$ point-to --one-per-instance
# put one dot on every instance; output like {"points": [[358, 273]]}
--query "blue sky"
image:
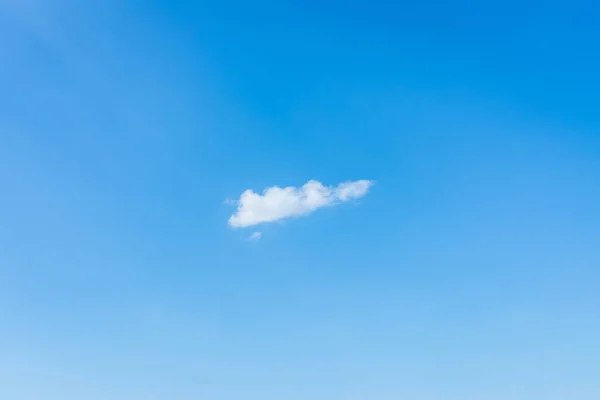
{"points": [[468, 270]]}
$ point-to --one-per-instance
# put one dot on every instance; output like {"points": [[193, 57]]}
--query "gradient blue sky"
{"points": [[471, 270]]}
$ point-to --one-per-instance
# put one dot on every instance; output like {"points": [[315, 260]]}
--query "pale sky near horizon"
{"points": [[299, 200]]}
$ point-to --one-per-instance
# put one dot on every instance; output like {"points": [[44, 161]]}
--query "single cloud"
{"points": [[277, 203], [256, 236]]}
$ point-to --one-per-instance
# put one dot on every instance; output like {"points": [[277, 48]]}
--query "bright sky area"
{"points": [[299, 200]]}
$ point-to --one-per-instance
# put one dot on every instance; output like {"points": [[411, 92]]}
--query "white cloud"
{"points": [[277, 203], [256, 236]]}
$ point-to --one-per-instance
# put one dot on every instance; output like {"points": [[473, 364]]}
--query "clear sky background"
{"points": [[469, 271]]}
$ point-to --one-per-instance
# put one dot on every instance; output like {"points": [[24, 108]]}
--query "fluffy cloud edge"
{"points": [[276, 203]]}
